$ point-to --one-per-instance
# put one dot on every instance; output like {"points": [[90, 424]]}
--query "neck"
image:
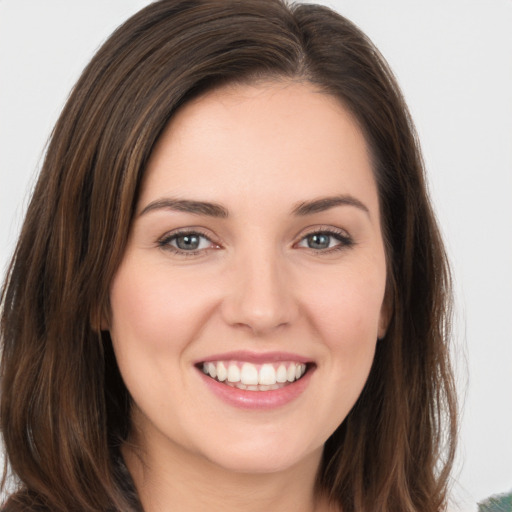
{"points": [[180, 480]]}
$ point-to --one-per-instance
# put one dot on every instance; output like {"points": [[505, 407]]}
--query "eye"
{"points": [[326, 241], [186, 242]]}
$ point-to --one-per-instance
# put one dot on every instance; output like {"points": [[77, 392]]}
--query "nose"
{"points": [[261, 297]]}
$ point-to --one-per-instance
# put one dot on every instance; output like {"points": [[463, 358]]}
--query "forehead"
{"points": [[274, 139]]}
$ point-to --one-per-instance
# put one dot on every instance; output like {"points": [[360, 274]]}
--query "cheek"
{"points": [[155, 316], [346, 313], [154, 307], [348, 305]]}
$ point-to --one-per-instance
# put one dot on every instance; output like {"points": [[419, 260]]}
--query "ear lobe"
{"points": [[105, 317], [386, 313], [104, 326], [383, 327], [100, 320]]}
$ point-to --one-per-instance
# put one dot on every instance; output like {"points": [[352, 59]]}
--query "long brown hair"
{"points": [[64, 408]]}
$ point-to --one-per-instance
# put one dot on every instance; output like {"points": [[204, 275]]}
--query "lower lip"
{"points": [[261, 400]]}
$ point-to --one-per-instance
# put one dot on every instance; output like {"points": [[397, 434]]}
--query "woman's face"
{"points": [[256, 256]]}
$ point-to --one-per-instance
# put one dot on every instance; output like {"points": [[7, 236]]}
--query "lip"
{"points": [[257, 400], [255, 357]]}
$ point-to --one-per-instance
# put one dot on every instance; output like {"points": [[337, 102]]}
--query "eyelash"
{"points": [[345, 241], [165, 242]]}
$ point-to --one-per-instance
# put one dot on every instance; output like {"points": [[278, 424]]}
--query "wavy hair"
{"points": [[64, 408]]}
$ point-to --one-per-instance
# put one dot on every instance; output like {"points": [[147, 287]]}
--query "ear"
{"points": [[386, 312], [100, 319], [104, 323]]}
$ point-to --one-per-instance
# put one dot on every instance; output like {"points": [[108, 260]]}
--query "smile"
{"points": [[255, 377]]}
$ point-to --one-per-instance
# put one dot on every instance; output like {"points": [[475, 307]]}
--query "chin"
{"points": [[262, 457]]}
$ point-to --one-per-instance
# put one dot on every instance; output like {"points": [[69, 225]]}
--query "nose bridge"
{"points": [[261, 297]]}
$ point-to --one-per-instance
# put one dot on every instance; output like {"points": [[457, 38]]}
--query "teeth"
{"points": [[244, 375], [249, 374], [233, 373], [290, 375], [222, 373], [267, 375], [281, 375], [212, 370]]}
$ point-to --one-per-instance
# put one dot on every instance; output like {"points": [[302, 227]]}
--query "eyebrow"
{"points": [[325, 203], [188, 206], [216, 210]]}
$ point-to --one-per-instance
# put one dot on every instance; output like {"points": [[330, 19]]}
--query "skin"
{"points": [[255, 284]]}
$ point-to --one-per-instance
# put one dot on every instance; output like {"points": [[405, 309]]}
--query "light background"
{"points": [[453, 59]]}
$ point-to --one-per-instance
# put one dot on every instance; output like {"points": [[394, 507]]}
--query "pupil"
{"points": [[318, 241], [187, 242]]}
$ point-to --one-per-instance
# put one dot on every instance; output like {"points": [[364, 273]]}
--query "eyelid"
{"points": [[164, 241], [322, 228], [344, 237]]}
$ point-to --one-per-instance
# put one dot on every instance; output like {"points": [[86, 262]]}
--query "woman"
{"points": [[230, 290]]}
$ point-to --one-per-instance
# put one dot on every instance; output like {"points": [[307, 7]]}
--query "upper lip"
{"points": [[256, 357]]}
